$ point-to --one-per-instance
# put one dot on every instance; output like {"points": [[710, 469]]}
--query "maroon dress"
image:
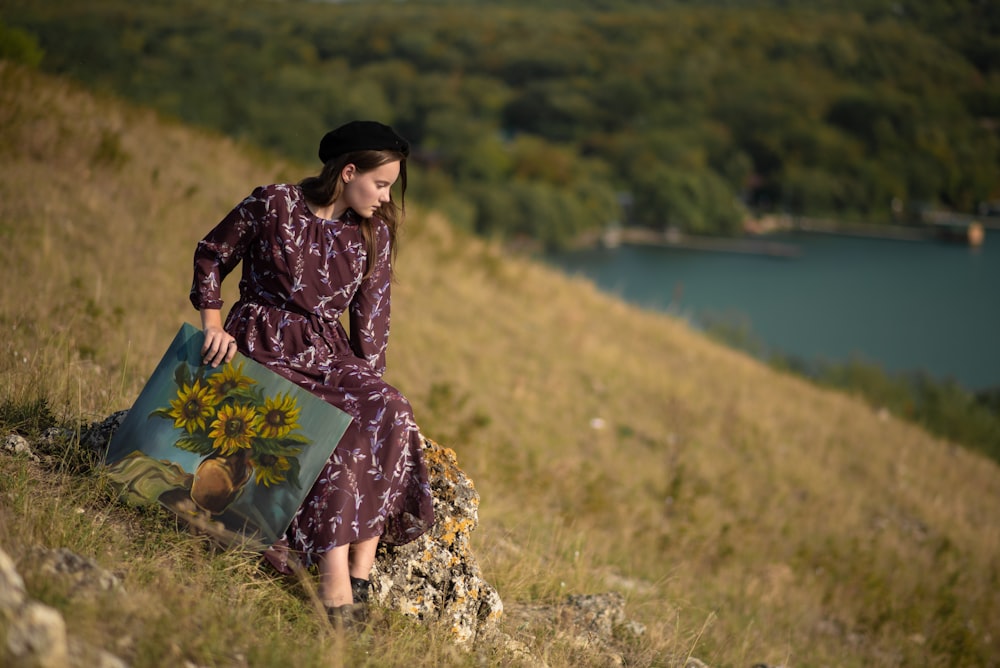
{"points": [[300, 273]]}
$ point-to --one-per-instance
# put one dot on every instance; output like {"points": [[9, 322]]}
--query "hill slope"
{"points": [[748, 516]]}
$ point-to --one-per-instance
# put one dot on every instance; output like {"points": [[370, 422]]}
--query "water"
{"points": [[905, 305]]}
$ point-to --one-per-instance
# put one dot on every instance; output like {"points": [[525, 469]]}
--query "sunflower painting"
{"points": [[277, 418], [234, 448], [192, 407]]}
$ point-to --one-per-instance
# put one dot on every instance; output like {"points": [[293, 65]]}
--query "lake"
{"points": [[905, 305]]}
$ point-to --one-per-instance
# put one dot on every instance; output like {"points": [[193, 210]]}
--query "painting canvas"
{"points": [[233, 450]]}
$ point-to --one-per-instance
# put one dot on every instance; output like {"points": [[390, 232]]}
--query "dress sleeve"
{"points": [[222, 249], [370, 307]]}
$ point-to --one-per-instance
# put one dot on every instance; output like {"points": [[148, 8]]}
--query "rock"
{"points": [[35, 634], [601, 616], [11, 585], [55, 439], [18, 445], [436, 577], [592, 623], [508, 651], [84, 575], [631, 628], [596, 613], [97, 437], [36, 637], [85, 656]]}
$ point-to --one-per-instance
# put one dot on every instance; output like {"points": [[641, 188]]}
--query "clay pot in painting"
{"points": [[219, 479]]}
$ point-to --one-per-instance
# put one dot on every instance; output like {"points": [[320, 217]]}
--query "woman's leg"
{"points": [[340, 564], [335, 577], [362, 557]]}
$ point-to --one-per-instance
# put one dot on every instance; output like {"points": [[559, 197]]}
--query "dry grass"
{"points": [[747, 515]]}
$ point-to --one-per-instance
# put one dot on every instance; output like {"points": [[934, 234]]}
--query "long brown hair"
{"points": [[326, 188]]}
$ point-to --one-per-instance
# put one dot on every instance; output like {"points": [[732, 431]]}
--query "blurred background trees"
{"points": [[549, 120]]}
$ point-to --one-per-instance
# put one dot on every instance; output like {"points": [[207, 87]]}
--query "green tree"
{"points": [[19, 46]]}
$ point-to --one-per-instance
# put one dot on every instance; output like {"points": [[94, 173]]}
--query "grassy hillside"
{"points": [[747, 515]]}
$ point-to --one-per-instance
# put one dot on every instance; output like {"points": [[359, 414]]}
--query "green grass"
{"points": [[941, 406], [182, 600], [746, 514]]}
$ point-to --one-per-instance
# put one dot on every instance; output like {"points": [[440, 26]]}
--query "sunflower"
{"points": [[193, 407], [234, 428], [269, 469], [278, 416], [229, 378]]}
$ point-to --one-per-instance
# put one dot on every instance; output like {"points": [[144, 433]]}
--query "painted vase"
{"points": [[219, 479]]}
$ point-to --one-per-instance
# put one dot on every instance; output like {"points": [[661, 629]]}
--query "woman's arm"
{"points": [[215, 257], [370, 307]]}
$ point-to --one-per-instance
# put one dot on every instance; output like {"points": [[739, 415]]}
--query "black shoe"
{"points": [[361, 590], [349, 618]]}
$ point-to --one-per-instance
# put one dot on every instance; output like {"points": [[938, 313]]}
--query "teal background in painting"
{"points": [[265, 510]]}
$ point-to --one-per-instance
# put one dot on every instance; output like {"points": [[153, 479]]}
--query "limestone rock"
{"points": [[85, 656], [98, 435], [55, 439], [436, 577], [11, 585], [37, 637], [84, 574], [18, 445], [598, 614], [592, 623], [35, 634]]}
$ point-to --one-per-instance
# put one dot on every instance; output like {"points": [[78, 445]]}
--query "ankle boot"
{"points": [[349, 618], [360, 590]]}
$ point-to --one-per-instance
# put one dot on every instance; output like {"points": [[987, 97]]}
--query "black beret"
{"points": [[361, 136]]}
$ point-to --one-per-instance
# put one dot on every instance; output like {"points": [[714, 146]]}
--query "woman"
{"points": [[311, 251]]}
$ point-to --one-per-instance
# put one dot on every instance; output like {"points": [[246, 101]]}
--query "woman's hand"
{"points": [[219, 345]]}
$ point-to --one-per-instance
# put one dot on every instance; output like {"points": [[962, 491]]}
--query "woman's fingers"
{"points": [[219, 347], [211, 353]]}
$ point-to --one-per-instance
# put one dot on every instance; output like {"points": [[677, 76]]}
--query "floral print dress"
{"points": [[300, 273]]}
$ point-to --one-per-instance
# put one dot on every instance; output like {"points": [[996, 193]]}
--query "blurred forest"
{"points": [[550, 120]]}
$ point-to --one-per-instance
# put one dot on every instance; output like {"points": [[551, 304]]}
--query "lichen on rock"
{"points": [[436, 578]]}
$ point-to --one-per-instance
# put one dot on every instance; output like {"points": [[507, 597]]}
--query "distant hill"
{"points": [[547, 120]]}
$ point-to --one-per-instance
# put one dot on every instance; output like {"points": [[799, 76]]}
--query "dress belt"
{"points": [[320, 325]]}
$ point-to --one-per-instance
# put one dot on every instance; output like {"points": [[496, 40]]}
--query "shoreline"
{"points": [[755, 242], [745, 246]]}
